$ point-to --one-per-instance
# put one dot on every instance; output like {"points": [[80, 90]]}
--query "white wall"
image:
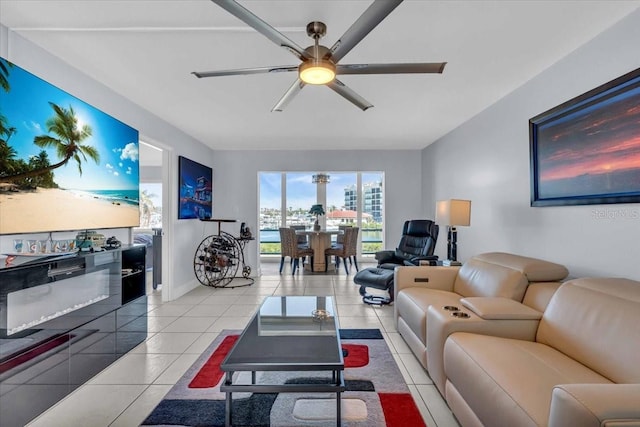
{"points": [[235, 178], [181, 236], [486, 160]]}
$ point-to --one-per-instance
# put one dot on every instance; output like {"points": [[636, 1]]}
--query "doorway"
{"points": [[152, 215]]}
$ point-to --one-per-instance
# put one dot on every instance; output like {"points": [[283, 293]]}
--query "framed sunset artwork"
{"points": [[587, 150]]}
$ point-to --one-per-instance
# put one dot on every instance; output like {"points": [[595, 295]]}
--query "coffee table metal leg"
{"points": [[228, 401], [227, 415], [337, 379], [338, 409]]}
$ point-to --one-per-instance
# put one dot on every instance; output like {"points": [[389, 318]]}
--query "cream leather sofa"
{"points": [[580, 367], [503, 280]]}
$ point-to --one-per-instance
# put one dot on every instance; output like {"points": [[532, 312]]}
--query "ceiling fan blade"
{"points": [[289, 95], [245, 71], [262, 27], [427, 67], [350, 95], [371, 17]]}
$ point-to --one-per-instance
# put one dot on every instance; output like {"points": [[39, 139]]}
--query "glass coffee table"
{"points": [[287, 333]]}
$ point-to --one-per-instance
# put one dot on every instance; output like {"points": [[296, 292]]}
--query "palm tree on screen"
{"points": [[4, 75], [68, 142], [7, 152]]}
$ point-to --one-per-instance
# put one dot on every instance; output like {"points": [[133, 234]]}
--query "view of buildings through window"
{"points": [[286, 197]]}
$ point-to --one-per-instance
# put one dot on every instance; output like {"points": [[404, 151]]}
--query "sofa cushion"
{"points": [[595, 321], [412, 304], [535, 270], [539, 294], [509, 382], [479, 278]]}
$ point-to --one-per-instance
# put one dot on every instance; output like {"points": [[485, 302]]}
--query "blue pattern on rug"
{"points": [[360, 334], [253, 411]]}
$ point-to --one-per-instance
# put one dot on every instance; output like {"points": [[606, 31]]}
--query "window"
{"points": [[301, 194], [270, 189], [285, 199]]}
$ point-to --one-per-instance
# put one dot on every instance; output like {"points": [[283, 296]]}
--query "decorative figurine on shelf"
{"points": [[113, 243], [245, 232], [316, 210]]}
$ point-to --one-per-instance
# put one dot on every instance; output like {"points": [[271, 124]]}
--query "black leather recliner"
{"points": [[417, 244]]}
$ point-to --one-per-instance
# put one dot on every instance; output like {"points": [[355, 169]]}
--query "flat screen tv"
{"points": [[64, 165]]}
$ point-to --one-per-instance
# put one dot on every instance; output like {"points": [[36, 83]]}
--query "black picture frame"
{"points": [[195, 190], [587, 150]]}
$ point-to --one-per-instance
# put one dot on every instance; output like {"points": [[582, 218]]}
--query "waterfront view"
{"points": [[347, 198]]}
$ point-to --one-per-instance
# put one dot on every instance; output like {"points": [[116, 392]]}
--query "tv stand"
{"points": [[62, 321]]}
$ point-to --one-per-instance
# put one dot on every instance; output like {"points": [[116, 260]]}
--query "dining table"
{"points": [[319, 241]]}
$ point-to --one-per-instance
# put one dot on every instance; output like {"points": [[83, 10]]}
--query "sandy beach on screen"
{"points": [[55, 209]]}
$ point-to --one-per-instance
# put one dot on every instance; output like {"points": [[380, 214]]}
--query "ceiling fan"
{"points": [[319, 64]]}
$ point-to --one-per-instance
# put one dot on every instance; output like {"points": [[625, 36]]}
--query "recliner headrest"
{"points": [[419, 227]]}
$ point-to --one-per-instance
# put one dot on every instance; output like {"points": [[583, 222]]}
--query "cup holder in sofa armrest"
{"points": [[498, 308], [451, 308], [461, 314]]}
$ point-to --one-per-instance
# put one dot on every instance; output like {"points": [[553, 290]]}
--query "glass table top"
{"points": [[297, 315], [289, 333]]}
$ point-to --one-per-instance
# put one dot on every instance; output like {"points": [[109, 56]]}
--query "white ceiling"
{"points": [[146, 50]]}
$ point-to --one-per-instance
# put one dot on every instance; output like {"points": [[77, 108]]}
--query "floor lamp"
{"points": [[453, 213]]}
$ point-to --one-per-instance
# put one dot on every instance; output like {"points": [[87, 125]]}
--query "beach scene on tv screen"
{"points": [[64, 165]]}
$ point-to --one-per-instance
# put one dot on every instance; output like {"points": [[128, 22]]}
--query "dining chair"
{"points": [[289, 248], [340, 237], [346, 250], [302, 239]]}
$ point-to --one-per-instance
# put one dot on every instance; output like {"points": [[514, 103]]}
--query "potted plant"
{"points": [[316, 210]]}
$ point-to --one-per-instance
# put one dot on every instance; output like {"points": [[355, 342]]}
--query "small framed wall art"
{"points": [[195, 190]]}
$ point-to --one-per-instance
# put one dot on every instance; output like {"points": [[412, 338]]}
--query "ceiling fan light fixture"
{"points": [[317, 71]]}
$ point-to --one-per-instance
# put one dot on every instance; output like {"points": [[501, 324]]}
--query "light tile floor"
{"points": [[128, 390]]}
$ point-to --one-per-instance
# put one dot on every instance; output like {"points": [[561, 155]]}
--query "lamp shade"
{"points": [[453, 212]]}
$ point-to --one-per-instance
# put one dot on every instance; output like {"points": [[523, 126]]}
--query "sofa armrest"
{"points": [[595, 405], [427, 276], [441, 323], [499, 308]]}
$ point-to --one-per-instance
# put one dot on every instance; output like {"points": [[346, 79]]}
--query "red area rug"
{"points": [[376, 392], [210, 374]]}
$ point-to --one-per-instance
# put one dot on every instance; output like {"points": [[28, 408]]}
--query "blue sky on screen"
{"points": [[26, 107]]}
